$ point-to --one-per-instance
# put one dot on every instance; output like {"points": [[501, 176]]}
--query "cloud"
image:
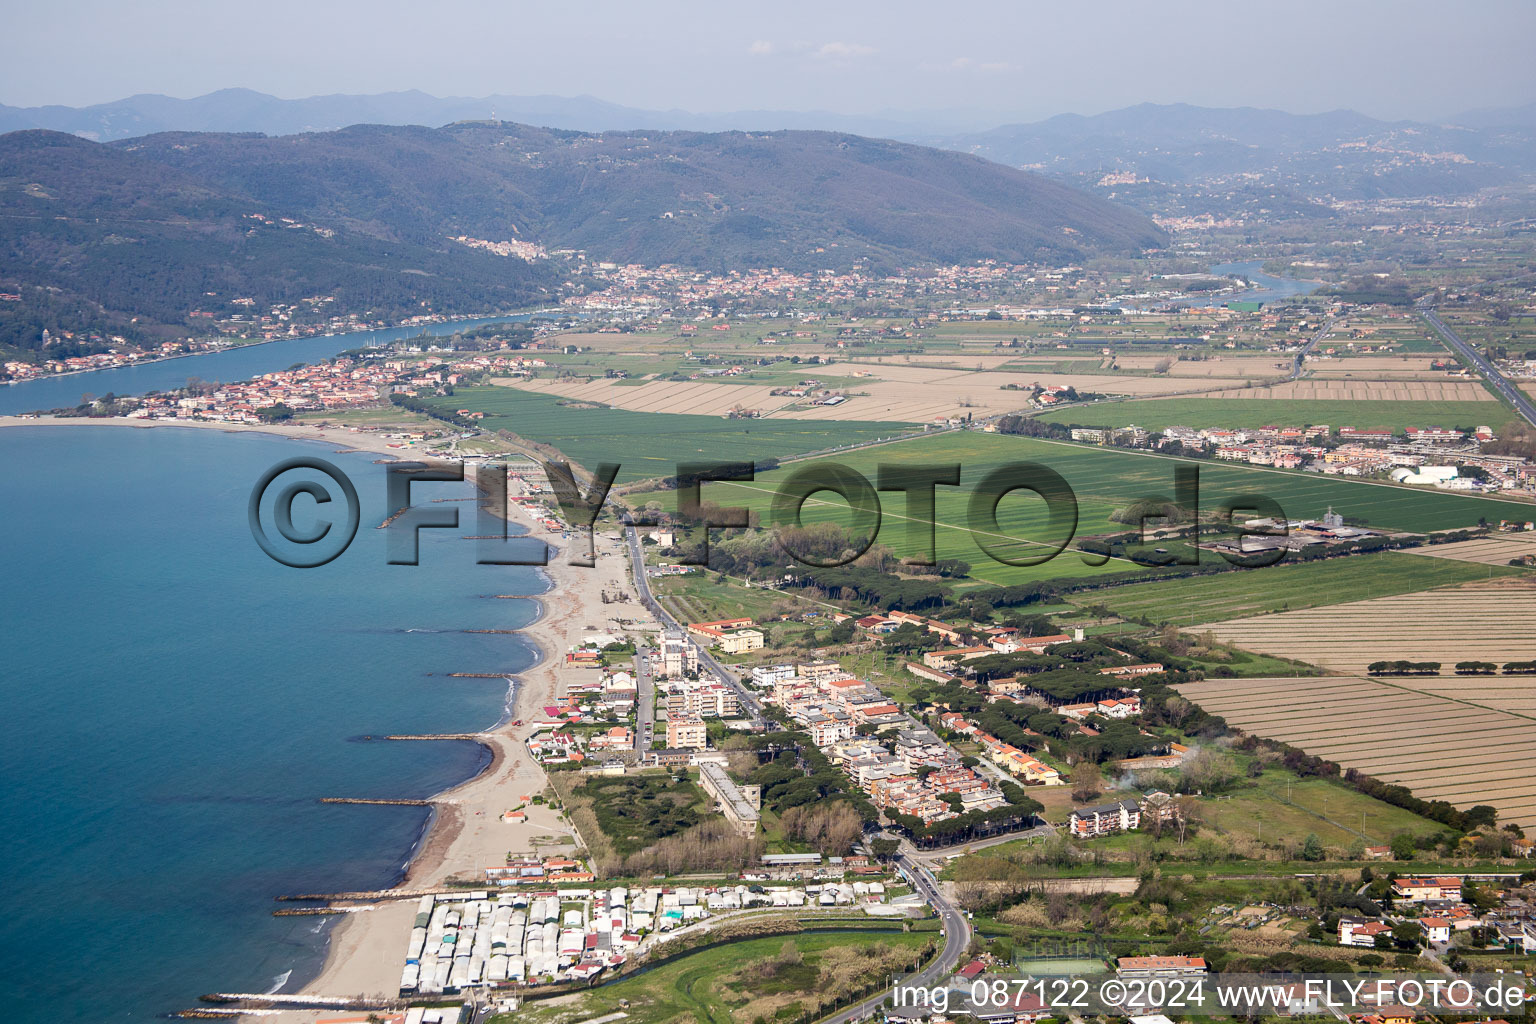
{"points": [[760, 48], [843, 51]]}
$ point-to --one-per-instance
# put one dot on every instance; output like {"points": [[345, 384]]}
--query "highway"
{"points": [[1512, 394]]}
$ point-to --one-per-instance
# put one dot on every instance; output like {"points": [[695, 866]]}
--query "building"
{"points": [[1437, 930], [678, 655], [740, 641], [1160, 966], [712, 632], [1360, 931], [687, 734], [1417, 890], [703, 700], [950, 657], [1104, 819], [742, 805]]}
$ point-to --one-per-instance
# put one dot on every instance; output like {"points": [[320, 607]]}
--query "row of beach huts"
{"points": [[478, 939]]}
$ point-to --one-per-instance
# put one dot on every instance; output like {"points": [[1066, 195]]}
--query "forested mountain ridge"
{"points": [[725, 199], [130, 238]]}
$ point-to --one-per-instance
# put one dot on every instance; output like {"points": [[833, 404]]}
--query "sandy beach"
{"points": [[366, 949]]}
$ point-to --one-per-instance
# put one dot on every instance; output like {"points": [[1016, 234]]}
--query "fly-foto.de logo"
{"points": [[319, 495]]}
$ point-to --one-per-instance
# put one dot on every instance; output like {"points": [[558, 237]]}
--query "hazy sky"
{"points": [[1388, 58]]}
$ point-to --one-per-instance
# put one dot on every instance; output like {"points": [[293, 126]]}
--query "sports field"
{"points": [[650, 444], [1286, 587], [1201, 413]]}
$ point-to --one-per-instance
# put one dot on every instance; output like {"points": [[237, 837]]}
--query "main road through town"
{"points": [[745, 696]]}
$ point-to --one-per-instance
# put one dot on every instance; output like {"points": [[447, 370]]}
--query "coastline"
{"points": [[256, 342], [365, 950]]}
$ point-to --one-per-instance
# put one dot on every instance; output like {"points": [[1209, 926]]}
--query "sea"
{"points": [[176, 703]]}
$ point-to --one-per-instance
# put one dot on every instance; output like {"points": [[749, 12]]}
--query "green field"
{"points": [[744, 980], [1279, 805], [1201, 413], [1288, 587], [649, 444], [1104, 480]]}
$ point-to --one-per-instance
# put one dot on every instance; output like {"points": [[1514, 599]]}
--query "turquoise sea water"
{"points": [[175, 704]]}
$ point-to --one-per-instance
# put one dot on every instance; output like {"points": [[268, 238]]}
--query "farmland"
{"points": [[1493, 620], [1201, 413], [1286, 586], [887, 392], [1104, 481], [1496, 550], [1441, 748], [648, 445], [1416, 391]]}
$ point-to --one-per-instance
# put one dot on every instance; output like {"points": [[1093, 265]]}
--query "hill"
{"points": [[712, 200], [1339, 153], [245, 110], [149, 227], [102, 241]]}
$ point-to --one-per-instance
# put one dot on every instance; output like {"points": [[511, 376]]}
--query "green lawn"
{"points": [[1278, 804], [740, 980], [649, 444], [1104, 481], [1199, 413], [1287, 587]]}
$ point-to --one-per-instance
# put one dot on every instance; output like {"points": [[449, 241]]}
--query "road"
{"points": [[645, 699], [957, 939], [744, 696], [1301, 356], [1512, 394]]}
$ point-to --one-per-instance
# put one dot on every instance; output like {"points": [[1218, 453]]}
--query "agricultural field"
{"points": [[1284, 587], [1440, 747], [1495, 550], [1311, 389], [892, 392], [1200, 412], [1104, 481], [776, 977], [648, 445], [1492, 620], [1375, 367]]}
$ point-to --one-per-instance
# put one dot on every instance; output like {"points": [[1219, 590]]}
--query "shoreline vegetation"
{"points": [[465, 833]]}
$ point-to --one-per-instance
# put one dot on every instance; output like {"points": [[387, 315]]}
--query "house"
{"points": [[1417, 890], [1360, 931], [1104, 819], [1437, 930]]}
